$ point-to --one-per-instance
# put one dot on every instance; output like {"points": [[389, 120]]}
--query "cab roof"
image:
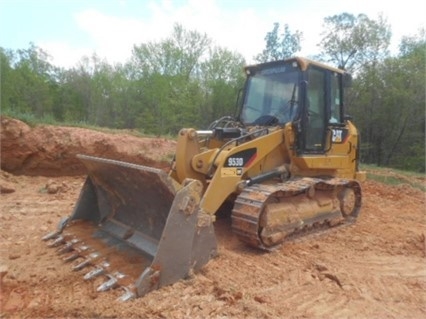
{"points": [[303, 63]]}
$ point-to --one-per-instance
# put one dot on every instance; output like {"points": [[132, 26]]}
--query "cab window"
{"points": [[316, 110], [336, 99]]}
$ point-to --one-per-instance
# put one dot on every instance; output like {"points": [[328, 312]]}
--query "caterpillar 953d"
{"points": [[288, 163]]}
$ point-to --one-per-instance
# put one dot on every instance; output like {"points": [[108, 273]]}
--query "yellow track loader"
{"points": [[287, 162]]}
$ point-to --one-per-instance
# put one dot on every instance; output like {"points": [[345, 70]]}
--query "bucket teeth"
{"points": [[67, 247], [128, 295], [81, 265], [89, 260], [77, 253], [119, 275], [82, 248], [71, 257], [94, 273], [99, 270], [64, 249], [111, 283], [50, 236], [57, 242]]}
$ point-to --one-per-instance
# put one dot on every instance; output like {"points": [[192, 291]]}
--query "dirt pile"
{"points": [[373, 269], [51, 150]]}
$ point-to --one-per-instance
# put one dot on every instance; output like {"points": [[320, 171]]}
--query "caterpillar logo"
{"points": [[339, 136]]}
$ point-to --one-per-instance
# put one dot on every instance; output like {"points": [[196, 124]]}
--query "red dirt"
{"points": [[373, 269], [51, 151]]}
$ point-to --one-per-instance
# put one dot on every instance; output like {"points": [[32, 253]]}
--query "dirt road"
{"points": [[373, 269]]}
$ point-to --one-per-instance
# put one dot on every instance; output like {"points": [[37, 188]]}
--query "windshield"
{"points": [[271, 92]]}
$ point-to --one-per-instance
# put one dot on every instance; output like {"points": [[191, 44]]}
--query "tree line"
{"points": [[187, 81]]}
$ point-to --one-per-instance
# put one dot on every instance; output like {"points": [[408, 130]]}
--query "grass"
{"points": [[33, 121], [395, 177]]}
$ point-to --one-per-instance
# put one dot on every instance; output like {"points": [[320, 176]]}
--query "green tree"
{"points": [[95, 92], [77, 92], [29, 80], [7, 96], [350, 41], [281, 46], [389, 108], [222, 77], [179, 54], [167, 73]]}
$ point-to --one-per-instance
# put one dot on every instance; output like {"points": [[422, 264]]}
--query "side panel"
{"points": [[231, 168], [339, 160]]}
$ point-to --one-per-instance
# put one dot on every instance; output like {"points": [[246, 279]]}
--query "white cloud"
{"points": [[112, 37], [242, 30], [63, 54]]}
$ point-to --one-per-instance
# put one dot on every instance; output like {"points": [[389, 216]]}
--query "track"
{"points": [[264, 216]]}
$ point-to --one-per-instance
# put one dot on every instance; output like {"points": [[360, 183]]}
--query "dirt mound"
{"points": [[51, 150], [373, 269]]}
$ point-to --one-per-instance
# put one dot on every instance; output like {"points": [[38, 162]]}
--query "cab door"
{"points": [[315, 120], [323, 144]]}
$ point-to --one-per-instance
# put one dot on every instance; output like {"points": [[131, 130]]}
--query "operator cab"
{"points": [[299, 91], [271, 93]]}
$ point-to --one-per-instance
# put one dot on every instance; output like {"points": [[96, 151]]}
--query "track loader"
{"points": [[287, 162]]}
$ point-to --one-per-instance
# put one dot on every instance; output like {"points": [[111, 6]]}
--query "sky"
{"points": [[70, 29]]}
